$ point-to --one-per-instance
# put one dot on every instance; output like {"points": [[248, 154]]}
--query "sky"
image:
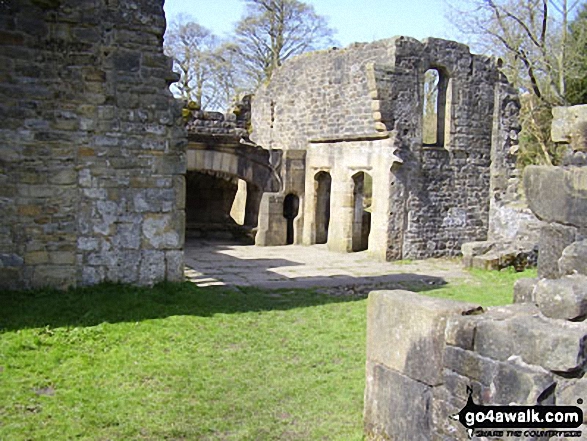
{"points": [[354, 20]]}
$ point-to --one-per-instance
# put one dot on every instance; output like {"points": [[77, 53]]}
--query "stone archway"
{"points": [[213, 172]]}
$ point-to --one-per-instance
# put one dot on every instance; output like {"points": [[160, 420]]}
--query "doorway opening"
{"points": [[362, 198], [322, 185], [291, 207]]}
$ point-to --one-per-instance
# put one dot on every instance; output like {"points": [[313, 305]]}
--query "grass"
{"points": [[179, 362]]}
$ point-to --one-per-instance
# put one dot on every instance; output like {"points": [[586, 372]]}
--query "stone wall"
{"points": [[219, 154], [360, 109], [423, 353], [92, 154]]}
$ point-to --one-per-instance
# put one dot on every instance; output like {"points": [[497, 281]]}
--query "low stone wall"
{"points": [[92, 149], [423, 354]]}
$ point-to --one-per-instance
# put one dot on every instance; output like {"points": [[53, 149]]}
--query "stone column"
{"points": [[341, 223]]}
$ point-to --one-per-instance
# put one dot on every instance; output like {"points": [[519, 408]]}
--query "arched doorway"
{"points": [[322, 185], [215, 210], [291, 207], [362, 196]]}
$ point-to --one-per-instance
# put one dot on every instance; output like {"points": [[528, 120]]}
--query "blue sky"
{"points": [[354, 20]]}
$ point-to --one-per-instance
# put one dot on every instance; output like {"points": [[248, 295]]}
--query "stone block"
{"points": [[455, 386], [123, 266], [557, 194], [460, 331], [127, 236], [92, 275], [174, 266], [574, 259], [564, 298], [179, 187], [10, 260], [520, 383], [406, 332], [565, 121], [447, 403], [163, 231], [64, 177], [524, 290], [553, 241], [396, 407], [36, 258], [502, 382], [556, 345], [58, 276], [569, 391], [152, 267], [62, 257], [472, 249], [10, 278], [470, 364]]}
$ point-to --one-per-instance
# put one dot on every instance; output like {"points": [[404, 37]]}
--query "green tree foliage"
{"points": [[576, 74]]}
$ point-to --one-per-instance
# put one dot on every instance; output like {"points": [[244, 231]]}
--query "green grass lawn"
{"points": [[178, 362]]}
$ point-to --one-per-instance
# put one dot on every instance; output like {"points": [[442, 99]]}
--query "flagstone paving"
{"points": [[294, 266]]}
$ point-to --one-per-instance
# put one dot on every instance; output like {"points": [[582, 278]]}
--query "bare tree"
{"points": [[531, 37], [193, 49], [273, 31]]}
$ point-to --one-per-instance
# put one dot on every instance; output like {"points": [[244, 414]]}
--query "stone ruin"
{"points": [[221, 160], [94, 155], [92, 148], [360, 174], [93, 163], [423, 353]]}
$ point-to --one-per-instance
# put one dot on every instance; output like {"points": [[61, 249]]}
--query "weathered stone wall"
{"points": [[514, 231], [361, 109], [219, 153], [423, 353], [91, 148]]}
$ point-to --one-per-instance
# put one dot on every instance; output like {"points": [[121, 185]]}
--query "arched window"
{"points": [[434, 118]]}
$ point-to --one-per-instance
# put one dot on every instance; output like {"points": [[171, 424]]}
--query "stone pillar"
{"points": [[341, 222], [254, 195], [272, 228]]}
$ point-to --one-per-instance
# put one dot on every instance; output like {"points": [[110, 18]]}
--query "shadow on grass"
{"points": [[115, 303]]}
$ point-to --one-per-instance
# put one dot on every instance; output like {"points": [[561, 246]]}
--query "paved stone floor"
{"points": [[217, 264]]}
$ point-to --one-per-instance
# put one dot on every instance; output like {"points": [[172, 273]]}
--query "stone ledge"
{"points": [[406, 332], [556, 345], [557, 194]]}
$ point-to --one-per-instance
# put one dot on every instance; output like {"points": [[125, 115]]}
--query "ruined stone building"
{"points": [[358, 170], [94, 157]]}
